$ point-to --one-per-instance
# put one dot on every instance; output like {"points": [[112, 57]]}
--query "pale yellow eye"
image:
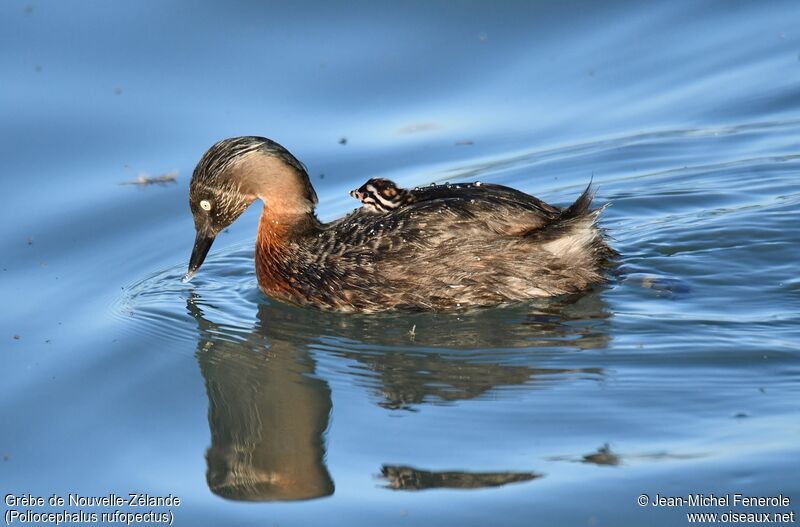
{"points": [[205, 205]]}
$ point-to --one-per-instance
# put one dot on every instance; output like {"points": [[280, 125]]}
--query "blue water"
{"points": [[682, 376]]}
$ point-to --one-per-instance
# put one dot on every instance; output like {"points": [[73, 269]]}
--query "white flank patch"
{"points": [[579, 239]]}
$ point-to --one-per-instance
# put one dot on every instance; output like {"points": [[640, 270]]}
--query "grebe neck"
{"points": [[278, 230]]}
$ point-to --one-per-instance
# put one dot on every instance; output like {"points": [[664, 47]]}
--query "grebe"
{"points": [[381, 195], [452, 247]]}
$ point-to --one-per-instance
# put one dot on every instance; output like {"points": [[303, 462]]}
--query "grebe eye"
{"points": [[205, 205]]}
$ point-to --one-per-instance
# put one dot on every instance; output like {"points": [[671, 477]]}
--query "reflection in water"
{"points": [[409, 478], [407, 379], [436, 369], [267, 419], [573, 321], [268, 412]]}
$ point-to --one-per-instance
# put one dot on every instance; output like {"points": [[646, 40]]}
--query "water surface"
{"points": [[680, 376]]}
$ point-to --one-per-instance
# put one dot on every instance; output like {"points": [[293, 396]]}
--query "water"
{"points": [[680, 377]]}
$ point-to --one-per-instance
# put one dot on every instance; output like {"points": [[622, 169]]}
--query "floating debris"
{"points": [[603, 456], [144, 179], [343, 141], [483, 37], [606, 457], [418, 127], [464, 142], [16, 337]]}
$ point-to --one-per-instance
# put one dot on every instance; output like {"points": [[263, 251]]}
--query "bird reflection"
{"points": [[268, 415], [410, 478], [269, 411], [437, 363], [406, 380]]}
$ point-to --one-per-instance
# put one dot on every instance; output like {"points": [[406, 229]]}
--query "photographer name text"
{"points": [[715, 500]]}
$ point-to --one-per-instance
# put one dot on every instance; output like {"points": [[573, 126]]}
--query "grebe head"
{"points": [[380, 195], [231, 175]]}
